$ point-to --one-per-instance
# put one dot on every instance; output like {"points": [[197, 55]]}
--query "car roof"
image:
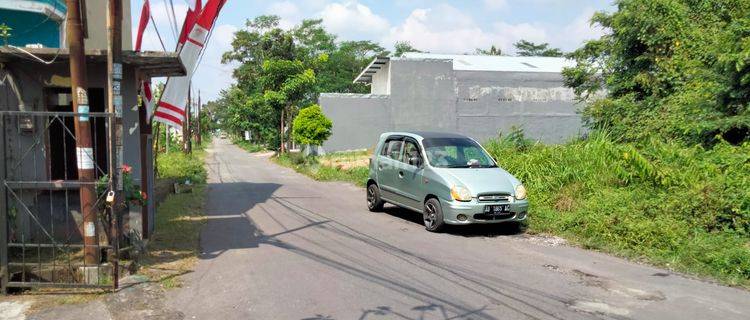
{"points": [[425, 134]]}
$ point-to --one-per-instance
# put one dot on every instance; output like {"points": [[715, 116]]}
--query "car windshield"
{"points": [[456, 153]]}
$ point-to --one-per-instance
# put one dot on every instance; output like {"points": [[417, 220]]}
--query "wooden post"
{"points": [[114, 106], [145, 135], [198, 128], [84, 148], [186, 132]]}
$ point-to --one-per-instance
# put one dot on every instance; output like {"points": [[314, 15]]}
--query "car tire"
{"points": [[374, 202], [432, 215]]}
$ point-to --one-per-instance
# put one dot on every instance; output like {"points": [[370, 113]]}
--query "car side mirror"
{"points": [[415, 161]]}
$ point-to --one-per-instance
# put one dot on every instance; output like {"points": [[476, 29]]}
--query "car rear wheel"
{"points": [[374, 202], [433, 215]]}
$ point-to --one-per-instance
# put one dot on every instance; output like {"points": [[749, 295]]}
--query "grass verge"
{"points": [[682, 208], [173, 248], [345, 166]]}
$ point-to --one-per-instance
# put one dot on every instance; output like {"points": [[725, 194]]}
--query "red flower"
{"points": [[126, 169], [144, 196]]}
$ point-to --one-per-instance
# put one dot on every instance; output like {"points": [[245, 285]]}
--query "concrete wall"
{"points": [[423, 95], [381, 80], [492, 102], [429, 95], [358, 120]]}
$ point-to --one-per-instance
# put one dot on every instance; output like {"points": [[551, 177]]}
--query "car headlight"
{"points": [[460, 193], [520, 192]]}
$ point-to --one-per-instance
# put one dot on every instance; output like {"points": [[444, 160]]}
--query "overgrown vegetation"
{"points": [[686, 208], [671, 69], [182, 167]]}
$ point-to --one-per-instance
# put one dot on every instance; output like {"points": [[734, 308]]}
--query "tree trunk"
{"points": [[281, 133]]}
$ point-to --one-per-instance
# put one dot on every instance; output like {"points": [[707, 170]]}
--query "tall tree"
{"points": [[286, 83], [526, 49], [260, 97], [675, 70]]}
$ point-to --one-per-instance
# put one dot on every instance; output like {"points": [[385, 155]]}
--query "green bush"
{"points": [[311, 126], [182, 167], [686, 208]]}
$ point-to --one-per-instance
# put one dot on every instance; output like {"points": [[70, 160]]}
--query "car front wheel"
{"points": [[374, 202], [433, 215]]}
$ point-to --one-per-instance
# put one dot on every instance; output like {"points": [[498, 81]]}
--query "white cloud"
{"points": [[578, 31], [290, 13], [445, 29], [353, 21]]}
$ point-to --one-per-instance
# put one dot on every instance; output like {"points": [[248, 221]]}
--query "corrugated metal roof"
{"points": [[497, 63]]}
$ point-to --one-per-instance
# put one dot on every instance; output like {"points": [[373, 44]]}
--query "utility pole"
{"points": [[198, 117], [186, 126], [114, 107], [145, 135], [84, 149]]}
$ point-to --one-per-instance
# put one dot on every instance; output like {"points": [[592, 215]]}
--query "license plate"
{"points": [[497, 209]]}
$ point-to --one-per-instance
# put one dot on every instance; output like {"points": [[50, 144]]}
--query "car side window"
{"points": [[410, 151], [392, 149]]}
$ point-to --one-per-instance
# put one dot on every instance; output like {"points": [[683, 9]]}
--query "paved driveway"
{"points": [[279, 245]]}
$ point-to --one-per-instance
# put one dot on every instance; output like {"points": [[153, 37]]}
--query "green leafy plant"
{"points": [[5, 33], [131, 192], [311, 126]]}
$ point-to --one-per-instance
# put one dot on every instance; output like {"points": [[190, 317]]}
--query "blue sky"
{"points": [[448, 26]]}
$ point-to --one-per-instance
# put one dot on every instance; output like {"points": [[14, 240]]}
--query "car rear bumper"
{"points": [[461, 213]]}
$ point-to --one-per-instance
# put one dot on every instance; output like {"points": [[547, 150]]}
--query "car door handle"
{"points": [[380, 167], [400, 174]]}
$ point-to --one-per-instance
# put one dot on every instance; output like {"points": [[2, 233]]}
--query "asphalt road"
{"points": [[279, 245]]}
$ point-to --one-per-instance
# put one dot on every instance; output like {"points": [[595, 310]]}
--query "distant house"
{"points": [[470, 94]]}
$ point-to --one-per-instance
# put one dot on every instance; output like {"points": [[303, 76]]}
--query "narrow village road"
{"points": [[279, 245]]}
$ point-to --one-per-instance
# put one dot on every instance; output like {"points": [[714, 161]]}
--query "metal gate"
{"points": [[41, 242]]}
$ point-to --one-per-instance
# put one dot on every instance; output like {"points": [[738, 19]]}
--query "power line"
{"points": [[164, 48], [171, 24]]}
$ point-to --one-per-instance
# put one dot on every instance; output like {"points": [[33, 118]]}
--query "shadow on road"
{"points": [[229, 227]]}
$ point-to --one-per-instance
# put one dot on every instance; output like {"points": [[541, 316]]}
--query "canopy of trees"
{"points": [[668, 69], [281, 71]]}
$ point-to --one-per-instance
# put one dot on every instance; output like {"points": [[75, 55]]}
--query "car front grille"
{"points": [[486, 216], [493, 197]]}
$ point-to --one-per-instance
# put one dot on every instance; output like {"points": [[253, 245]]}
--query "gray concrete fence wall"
{"points": [[429, 95]]}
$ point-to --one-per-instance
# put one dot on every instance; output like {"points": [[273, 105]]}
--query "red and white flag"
{"points": [[171, 108], [142, 24]]}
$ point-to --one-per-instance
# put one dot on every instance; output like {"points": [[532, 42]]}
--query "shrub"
{"points": [[311, 126]]}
